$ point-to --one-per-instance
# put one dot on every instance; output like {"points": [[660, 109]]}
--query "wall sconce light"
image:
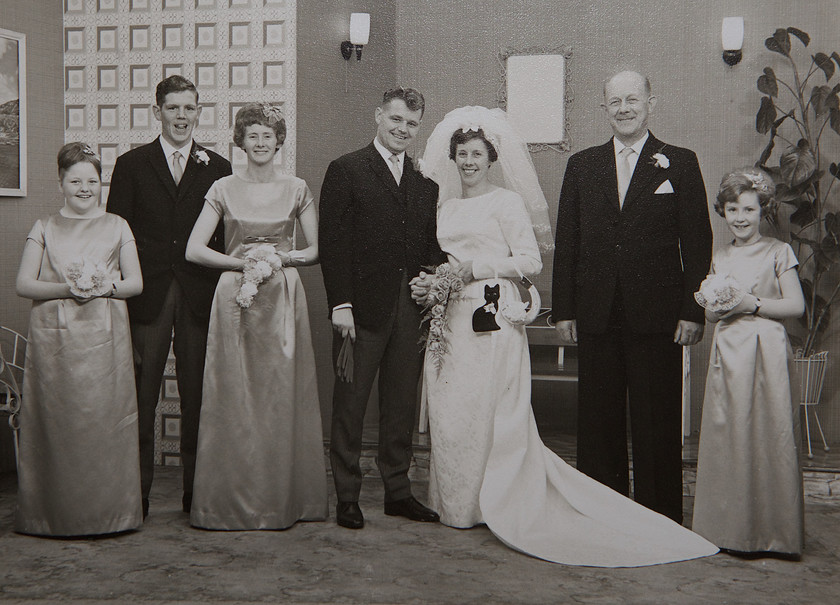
{"points": [[359, 34], [732, 38]]}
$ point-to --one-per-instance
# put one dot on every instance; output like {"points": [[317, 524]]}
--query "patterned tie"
{"points": [[395, 167], [624, 172], [177, 170]]}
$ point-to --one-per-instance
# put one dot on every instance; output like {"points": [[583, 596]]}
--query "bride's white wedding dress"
{"points": [[488, 463]]}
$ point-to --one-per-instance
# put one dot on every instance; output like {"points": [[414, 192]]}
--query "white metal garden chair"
{"points": [[812, 373]]}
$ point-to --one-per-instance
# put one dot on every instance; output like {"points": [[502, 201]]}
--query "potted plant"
{"points": [[800, 114]]}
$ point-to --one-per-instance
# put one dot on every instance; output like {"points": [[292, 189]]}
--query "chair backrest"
{"points": [[12, 356], [811, 373]]}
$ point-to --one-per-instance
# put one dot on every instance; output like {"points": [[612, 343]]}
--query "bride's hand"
{"points": [[464, 270]]}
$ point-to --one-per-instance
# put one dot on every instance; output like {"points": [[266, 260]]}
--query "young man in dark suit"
{"points": [[159, 189], [377, 230], [633, 244]]}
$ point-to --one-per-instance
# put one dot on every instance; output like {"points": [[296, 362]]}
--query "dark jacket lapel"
{"points": [[191, 168], [645, 170], [381, 170], [161, 168], [605, 175]]}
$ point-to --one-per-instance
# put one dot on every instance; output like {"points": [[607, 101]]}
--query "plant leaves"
{"points": [[834, 119], [798, 163], [823, 61], [832, 224], [819, 94], [779, 42], [834, 170], [767, 83], [803, 37], [836, 58], [766, 115], [803, 215]]}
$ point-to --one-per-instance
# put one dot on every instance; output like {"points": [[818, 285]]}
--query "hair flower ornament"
{"points": [[87, 150], [200, 156], [660, 160], [272, 112], [759, 181]]}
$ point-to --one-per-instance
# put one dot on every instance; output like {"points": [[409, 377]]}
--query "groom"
{"points": [[377, 230], [159, 189], [633, 245]]}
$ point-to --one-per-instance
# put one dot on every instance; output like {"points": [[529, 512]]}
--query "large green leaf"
{"points": [[823, 61], [767, 83], [834, 119], [803, 215], [798, 163], [819, 95], [836, 58], [766, 115], [803, 37], [779, 42]]}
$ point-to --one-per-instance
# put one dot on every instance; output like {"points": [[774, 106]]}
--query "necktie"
{"points": [[177, 170], [624, 172], [395, 167]]}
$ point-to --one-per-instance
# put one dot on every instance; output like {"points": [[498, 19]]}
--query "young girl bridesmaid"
{"points": [[749, 485], [79, 470]]}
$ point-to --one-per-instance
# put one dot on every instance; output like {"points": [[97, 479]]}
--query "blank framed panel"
{"points": [[536, 94]]}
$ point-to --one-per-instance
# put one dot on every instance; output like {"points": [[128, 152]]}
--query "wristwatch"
{"points": [[757, 305]]}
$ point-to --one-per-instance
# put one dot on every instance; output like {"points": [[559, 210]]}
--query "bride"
{"points": [[488, 464]]}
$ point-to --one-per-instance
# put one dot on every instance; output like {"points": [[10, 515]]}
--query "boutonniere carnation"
{"points": [[200, 156], [660, 160], [261, 263]]}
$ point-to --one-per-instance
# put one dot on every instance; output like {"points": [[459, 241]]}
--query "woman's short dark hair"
{"points": [[459, 137], [264, 114], [75, 153], [174, 83], [740, 180]]}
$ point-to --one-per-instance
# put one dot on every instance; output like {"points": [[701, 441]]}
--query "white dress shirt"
{"points": [[168, 150]]}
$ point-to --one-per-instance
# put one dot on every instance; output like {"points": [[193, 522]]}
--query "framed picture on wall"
{"points": [[12, 114], [534, 92]]}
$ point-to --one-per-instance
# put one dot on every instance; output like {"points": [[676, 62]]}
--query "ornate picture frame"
{"points": [[13, 177], [534, 91]]}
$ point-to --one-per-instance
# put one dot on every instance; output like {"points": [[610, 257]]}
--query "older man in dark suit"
{"points": [[159, 189], [633, 244], [377, 230]]}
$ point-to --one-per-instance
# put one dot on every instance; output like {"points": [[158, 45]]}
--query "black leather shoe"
{"points": [[186, 502], [145, 508], [349, 515], [410, 508]]}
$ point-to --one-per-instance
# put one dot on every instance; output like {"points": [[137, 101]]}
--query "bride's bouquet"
{"points": [[445, 284], [261, 264], [719, 293], [87, 278]]}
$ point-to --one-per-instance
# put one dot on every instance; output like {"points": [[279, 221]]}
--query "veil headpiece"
{"points": [[514, 162]]}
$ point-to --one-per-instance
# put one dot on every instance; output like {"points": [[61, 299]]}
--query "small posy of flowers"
{"points": [[261, 263], [87, 278], [445, 285], [201, 156], [660, 160], [719, 293], [514, 312]]}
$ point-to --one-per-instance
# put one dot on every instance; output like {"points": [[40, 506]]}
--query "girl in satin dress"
{"points": [[79, 467], [260, 461], [749, 484]]}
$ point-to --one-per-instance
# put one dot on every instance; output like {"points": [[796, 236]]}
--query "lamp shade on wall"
{"points": [[359, 28], [732, 39]]}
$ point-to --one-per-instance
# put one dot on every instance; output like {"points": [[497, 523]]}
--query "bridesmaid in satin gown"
{"points": [[260, 461], [79, 465], [488, 463], [749, 483]]}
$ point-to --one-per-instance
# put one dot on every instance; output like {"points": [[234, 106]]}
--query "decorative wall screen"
{"points": [[115, 53]]}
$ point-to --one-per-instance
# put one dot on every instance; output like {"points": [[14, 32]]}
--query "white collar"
{"points": [[386, 153], [168, 149], [637, 146]]}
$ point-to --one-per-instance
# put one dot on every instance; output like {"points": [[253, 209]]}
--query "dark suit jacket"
{"points": [[654, 252], [162, 216], [372, 232]]}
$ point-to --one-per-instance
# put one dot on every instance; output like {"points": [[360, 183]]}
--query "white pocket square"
{"points": [[665, 188]]}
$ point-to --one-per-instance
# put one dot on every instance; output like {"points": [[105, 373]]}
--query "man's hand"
{"points": [[567, 329], [342, 322], [420, 286], [688, 333]]}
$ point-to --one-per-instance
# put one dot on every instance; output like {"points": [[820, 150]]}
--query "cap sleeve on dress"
{"points": [[785, 258], [304, 197], [215, 197], [37, 233], [126, 236]]}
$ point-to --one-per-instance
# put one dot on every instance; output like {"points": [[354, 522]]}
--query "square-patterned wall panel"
{"points": [[115, 53]]}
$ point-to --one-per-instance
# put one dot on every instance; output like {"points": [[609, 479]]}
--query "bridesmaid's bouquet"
{"points": [[719, 293], [87, 278], [445, 285], [261, 264]]}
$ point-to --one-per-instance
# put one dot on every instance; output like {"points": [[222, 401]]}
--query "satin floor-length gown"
{"points": [[749, 494], [488, 463], [260, 462], [79, 463]]}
